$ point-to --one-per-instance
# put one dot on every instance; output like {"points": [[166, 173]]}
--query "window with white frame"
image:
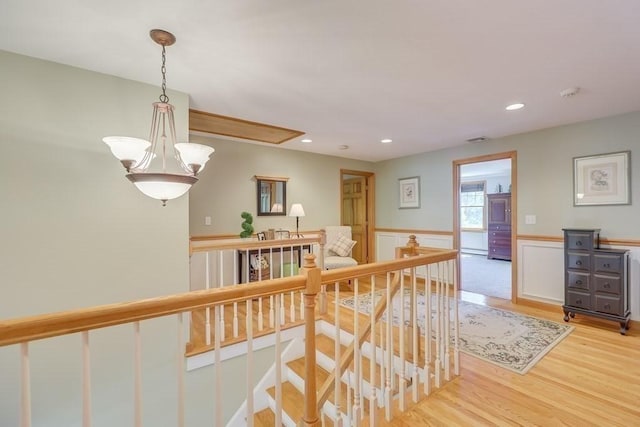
{"points": [[472, 200]]}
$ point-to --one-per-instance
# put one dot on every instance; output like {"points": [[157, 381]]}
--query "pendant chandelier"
{"points": [[137, 155]]}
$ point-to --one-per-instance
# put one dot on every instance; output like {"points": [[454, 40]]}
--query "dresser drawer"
{"points": [[608, 284], [579, 299], [500, 227], [499, 252], [579, 261], [578, 280], [607, 263], [581, 241], [608, 304]]}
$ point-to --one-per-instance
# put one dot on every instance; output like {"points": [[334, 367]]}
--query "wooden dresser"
{"points": [[499, 226], [596, 280]]}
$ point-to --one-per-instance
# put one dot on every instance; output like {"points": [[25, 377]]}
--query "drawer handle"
{"points": [[578, 243], [578, 301], [607, 306], [607, 265], [493, 241], [578, 282], [578, 262], [607, 285]]}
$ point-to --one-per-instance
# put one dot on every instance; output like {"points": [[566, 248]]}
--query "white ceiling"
{"points": [[428, 74], [486, 169]]}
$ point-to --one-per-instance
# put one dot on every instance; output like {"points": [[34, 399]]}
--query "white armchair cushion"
{"points": [[333, 262], [341, 246]]}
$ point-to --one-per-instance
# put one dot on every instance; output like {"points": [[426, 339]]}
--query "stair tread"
{"points": [[292, 400], [264, 418]]}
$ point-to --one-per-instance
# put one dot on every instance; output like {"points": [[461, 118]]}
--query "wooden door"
{"points": [[354, 214]]}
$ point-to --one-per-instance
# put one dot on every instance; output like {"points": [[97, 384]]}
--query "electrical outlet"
{"points": [[207, 220]]}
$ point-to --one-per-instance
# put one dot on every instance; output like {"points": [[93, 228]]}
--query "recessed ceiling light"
{"points": [[343, 147], [515, 106], [386, 140], [307, 140]]}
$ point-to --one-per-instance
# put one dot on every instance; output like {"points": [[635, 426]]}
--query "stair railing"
{"points": [[397, 348], [221, 262]]}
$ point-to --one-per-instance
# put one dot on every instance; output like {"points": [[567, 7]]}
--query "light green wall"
{"points": [[227, 187], [74, 232], [545, 179]]}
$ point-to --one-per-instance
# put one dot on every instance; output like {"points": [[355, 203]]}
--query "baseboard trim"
{"points": [[538, 304]]}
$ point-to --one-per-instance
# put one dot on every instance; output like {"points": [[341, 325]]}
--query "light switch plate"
{"points": [[529, 219], [207, 220]]}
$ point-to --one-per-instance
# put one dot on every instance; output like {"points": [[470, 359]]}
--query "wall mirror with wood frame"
{"points": [[272, 196]]}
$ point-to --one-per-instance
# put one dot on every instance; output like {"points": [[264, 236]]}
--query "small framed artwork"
{"points": [[262, 236], [409, 192], [603, 179]]}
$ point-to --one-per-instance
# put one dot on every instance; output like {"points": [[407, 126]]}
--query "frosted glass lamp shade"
{"points": [[162, 186], [296, 210], [194, 154], [127, 148]]}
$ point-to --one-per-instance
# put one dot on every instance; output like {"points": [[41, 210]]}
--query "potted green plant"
{"points": [[247, 225]]}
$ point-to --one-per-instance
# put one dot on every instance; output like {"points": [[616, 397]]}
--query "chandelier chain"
{"points": [[163, 69]]}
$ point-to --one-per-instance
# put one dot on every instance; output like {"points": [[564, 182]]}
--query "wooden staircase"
{"points": [[293, 387]]}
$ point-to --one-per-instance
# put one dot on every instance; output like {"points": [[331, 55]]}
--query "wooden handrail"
{"points": [[31, 328], [239, 244]]}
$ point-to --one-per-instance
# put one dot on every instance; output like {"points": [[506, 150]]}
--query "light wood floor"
{"points": [[591, 378]]}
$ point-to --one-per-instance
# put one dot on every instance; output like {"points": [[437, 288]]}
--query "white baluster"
{"points": [[272, 312], [402, 330], [292, 307], [437, 365], [415, 334], [180, 367], [447, 324], [337, 390], [357, 375], [282, 310], [220, 284], [373, 404], [86, 380], [278, 361], [235, 320], [389, 367], [456, 322], [260, 314], [137, 376], [207, 310], [25, 395], [428, 333], [249, 365], [302, 305], [217, 358]]}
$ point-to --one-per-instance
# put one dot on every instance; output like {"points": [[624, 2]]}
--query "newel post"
{"points": [[312, 275]]}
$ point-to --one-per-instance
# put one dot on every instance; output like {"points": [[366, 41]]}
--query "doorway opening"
{"points": [[485, 200], [357, 210]]}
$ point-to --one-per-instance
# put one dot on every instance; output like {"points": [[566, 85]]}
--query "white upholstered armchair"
{"points": [[338, 246]]}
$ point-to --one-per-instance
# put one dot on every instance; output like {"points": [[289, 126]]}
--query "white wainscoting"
{"points": [[541, 273]]}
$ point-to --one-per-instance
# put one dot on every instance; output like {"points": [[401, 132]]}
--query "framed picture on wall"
{"points": [[603, 179], [409, 195]]}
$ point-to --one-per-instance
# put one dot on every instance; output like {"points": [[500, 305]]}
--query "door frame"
{"points": [[370, 192], [513, 155]]}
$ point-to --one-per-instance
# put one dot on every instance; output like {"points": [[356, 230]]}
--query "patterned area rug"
{"points": [[509, 340]]}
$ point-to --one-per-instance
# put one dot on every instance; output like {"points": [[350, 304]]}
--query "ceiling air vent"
{"points": [[478, 139]]}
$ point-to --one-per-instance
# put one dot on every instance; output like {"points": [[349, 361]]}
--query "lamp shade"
{"points": [[162, 186], [194, 154], [127, 148], [296, 210]]}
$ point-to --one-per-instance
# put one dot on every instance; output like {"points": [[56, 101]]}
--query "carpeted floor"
{"points": [[484, 276], [509, 340]]}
